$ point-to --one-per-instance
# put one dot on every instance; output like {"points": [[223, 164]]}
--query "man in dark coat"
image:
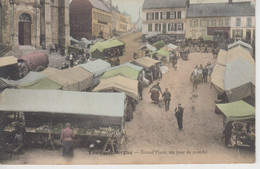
{"points": [[179, 115], [167, 98], [155, 90], [140, 90], [205, 74]]}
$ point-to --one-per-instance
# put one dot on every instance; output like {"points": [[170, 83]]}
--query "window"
{"points": [[164, 15], [220, 22], [157, 15], [172, 15], [191, 23], [227, 22], [238, 21], [150, 27], [215, 22], [196, 23], [179, 14], [208, 22], [171, 27], [150, 16], [180, 26], [211, 22], [249, 22], [159, 26], [156, 27], [175, 27], [168, 15]]}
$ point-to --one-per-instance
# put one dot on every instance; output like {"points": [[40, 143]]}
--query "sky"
{"points": [[133, 7]]}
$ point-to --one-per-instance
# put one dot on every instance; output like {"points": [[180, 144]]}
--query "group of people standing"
{"points": [[201, 74]]}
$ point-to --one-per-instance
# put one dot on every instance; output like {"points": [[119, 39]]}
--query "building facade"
{"points": [[32, 22], [164, 17], [227, 20], [90, 19]]}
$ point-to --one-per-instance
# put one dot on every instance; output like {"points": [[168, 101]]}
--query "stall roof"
{"points": [[240, 43], [7, 60], [72, 79], [57, 101], [239, 72], [239, 52], [148, 46], [170, 47], [139, 68], [121, 84], [161, 52], [101, 46], [218, 76], [45, 83], [222, 57], [238, 110], [146, 62], [160, 44], [125, 71], [208, 38], [96, 67]]}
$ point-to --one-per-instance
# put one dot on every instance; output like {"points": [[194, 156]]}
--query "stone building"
{"points": [[227, 20], [32, 22], [164, 17], [90, 18]]}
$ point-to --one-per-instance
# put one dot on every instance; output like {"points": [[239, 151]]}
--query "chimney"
{"points": [[188, 3], [230, 1]]}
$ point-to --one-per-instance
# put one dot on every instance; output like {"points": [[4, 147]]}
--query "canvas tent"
{"points": [[97, 50], [217, 78], [171, 47], [96, 67], [33, 80], [72, 79], [237, 111], [64, 102], [239, 80], [120, 84], [146, 62], [207, 38], [161, 54], [125, 71], [159, 44], [240, 43]]}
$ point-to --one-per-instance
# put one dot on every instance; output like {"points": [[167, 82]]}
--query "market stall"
{"points": [[145, 49], [92, 115], [107, 49], [162, 55], [72, 79], [121, 84], [125, 71], [239, 124], [97, 68]]}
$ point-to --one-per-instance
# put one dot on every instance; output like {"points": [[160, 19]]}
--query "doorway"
{"points": [[24, 29]]}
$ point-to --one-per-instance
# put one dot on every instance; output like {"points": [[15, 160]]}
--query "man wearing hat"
{"points": [[167, 98], [179, 115], [67, 142]]}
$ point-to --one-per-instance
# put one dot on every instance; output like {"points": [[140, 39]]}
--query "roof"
{"points": [[45, 83], [170, 47], [125, 71], [148, 46], [33, 80], [57, 101], [155, 4], [101, 46], [217, 77], [96, 67], [72, 79], [238, 110], [146, 62], [99, 5], [244, 44], [111, 7], [237, 52], [120, 84], [138, 68], [161, 52], [238, 73], [7, 60], [220, 9]]}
